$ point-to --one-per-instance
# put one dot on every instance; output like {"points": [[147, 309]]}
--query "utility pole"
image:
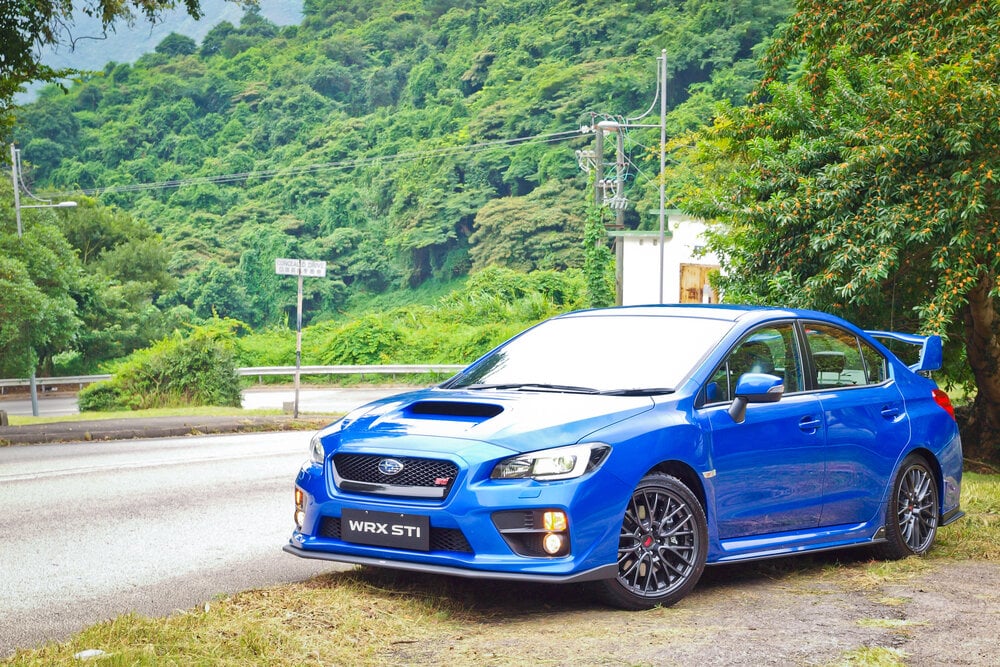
{"points": [[618, 201], [15, 174], [663, 159]]}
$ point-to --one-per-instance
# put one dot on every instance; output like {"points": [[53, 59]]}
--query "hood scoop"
{"points": [[452, 410]]}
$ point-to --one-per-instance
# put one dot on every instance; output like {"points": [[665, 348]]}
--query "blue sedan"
{"points": [[632, 446]]}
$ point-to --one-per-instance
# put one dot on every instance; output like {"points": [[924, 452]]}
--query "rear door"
{"points": [[866, 422]]}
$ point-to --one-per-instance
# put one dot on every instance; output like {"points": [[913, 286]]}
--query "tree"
{"points": [[176, 44], [37, 273], [27, 27], [540, 231], [862, 178]]}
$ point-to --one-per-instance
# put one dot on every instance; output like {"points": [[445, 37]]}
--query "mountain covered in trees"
{"points": [[403, 143]]}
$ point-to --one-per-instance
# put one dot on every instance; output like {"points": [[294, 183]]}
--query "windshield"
{"points": [[619, 353]]}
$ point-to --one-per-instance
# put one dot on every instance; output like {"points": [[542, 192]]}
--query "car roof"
{"points": [[727, 312]]}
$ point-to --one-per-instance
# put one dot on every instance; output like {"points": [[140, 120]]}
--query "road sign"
{"points": [[300, 267]]}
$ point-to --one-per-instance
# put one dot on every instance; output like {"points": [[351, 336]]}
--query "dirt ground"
{"points": [[785, 612]]}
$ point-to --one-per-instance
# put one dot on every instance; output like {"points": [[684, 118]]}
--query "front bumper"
{"points": [[601, 572], [471, 529]]}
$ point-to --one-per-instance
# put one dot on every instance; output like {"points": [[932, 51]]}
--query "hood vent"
{"points": [[457, 409]]}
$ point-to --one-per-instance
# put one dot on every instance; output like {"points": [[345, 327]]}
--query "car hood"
{"points": [[516, 420]]}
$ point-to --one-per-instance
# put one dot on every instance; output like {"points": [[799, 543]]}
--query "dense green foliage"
{"points": [[38, 274], [492, 305], [78, 288], [26, 27], [401, 142], [197, 369], [863, 178]]}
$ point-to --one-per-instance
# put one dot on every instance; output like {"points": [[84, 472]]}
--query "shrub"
{"points": [[101, 397], [368, 340], [199, 369]]}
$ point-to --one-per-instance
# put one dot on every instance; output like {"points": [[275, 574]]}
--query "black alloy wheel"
{"points": [[912, 516], [662, 545]]}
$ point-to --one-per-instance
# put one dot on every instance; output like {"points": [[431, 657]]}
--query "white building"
{"points": [[685, 264]]}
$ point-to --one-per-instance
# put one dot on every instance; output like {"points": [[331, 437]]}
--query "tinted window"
{"points": [[841, 359], [769, 350]]}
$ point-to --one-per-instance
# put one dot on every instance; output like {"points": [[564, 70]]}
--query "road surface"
{"points": [[318, 401], [92, 530]]}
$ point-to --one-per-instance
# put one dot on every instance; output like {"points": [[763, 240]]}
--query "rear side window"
{"points": [[841, 359]]}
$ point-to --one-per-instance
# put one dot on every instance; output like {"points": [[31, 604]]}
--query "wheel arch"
{"points": [[935, 467], [687, 475]]}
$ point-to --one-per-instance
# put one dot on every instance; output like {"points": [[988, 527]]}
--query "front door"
{"points": [[769, 469]]}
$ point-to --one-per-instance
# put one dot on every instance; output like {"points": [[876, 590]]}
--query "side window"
{"points": [[841, 359], [770, 349], [875, 364]]}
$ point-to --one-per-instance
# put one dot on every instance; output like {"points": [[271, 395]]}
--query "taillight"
{"points": [[942, 399]]}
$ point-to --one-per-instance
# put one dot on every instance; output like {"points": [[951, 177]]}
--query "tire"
{"points": [[911, 517], [662, 546]]}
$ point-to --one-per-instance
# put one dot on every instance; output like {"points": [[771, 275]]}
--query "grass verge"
{"points": [[199, 411]]}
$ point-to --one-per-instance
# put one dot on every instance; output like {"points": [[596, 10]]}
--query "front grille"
{"points": [[442, 539], [419, 478]]}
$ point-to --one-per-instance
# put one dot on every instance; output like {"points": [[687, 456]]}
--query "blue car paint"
{"points": [[796, 508]]}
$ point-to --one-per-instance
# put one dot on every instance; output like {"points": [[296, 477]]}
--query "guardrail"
{"points": [[260, 371], [70, 379]]}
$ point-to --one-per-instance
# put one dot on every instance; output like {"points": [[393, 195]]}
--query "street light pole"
{"points": [[15, 174]]}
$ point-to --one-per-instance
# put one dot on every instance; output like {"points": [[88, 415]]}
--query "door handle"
{"points": [[810, 424], [890, 412]]}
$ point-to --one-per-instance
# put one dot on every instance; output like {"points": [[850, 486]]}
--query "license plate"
{"points": [[386, 529]]}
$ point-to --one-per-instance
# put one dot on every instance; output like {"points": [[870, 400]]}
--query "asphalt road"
{"points": [[92, 530], [325, 401]]}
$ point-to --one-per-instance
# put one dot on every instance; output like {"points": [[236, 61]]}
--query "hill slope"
{"points": [[401, 142]]}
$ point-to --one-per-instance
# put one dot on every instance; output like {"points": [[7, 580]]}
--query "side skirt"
{"points": [[760, 547]]}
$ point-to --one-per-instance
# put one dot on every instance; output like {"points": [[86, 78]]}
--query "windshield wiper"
{"points": [[533, 385], [645, 391]]}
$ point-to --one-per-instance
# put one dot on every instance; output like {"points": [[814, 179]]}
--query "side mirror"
{"points": [[755, 388]]}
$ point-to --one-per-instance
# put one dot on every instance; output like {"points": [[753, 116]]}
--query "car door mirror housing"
{"points": [[755, 388]]}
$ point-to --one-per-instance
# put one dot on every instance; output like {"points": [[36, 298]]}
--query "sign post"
{"points": [[300, 268]]}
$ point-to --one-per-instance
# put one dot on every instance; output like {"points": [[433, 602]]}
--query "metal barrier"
{"points": [[259, 371], [46, 382]]}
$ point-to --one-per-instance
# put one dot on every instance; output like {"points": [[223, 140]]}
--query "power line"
{"points": [[324, 166]]}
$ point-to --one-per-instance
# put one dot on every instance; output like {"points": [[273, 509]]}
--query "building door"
{"points": [[694, 283]]}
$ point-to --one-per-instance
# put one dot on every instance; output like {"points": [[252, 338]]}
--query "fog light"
{"points": [[555, 521], [300, 514], [552, 543]]}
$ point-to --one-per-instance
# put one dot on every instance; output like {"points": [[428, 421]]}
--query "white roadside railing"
{"points": [[260, 372]]}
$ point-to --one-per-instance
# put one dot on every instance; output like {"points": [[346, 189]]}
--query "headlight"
{"points": [[316, 451], [552, 464]]}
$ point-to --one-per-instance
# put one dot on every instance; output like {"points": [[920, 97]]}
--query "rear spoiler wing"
{"points": [[931, 352]]}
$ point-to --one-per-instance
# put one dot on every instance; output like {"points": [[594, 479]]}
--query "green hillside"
{"points": [[405, 143]]}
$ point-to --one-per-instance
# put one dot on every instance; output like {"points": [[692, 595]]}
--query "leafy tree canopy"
{"points": [[863, 178], [402, 143], [25, 27]]}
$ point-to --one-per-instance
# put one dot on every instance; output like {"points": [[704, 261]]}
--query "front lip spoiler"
{"points": [[602, 572]]}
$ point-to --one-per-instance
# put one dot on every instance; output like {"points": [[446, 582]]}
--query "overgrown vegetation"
{"points": [[198, 368], [403, 143]]}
